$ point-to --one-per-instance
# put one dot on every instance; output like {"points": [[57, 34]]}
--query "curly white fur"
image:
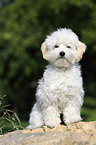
{"points": [[60, 90]]}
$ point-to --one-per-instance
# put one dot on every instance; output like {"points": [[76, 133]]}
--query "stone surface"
{"points": [[81, 133]]}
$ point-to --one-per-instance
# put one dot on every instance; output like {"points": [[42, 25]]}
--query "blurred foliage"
{"points": [[9, 120], [23, 27]]}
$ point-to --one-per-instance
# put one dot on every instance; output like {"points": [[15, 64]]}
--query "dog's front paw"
{"points": [[30, 127], [72, 120], [52, 123], [33, 126]]}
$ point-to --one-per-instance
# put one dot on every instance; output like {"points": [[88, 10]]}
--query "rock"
{"points": [[81, 133]]}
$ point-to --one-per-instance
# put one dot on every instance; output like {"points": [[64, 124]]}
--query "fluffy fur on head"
{"points": [[65, 40], [60, 90]]}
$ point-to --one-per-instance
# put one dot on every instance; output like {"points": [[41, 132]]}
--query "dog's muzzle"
{"points": [[62, 53]]}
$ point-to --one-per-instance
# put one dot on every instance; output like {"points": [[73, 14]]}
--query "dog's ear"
{"points": [[44, 51], [80, 50]]}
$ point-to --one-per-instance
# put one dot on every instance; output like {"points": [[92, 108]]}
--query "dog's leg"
{"points": [[35, 120], [51, 116], [72, 113]]}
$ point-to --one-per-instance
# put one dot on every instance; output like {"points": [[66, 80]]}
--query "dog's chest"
{"points": [[59, 87], [59, 81], [64, 82]]}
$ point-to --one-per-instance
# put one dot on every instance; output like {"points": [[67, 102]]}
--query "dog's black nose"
{"points": [[62, 53]]}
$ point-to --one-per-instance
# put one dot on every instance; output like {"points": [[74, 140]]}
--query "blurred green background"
{"points": [[23, 27]]}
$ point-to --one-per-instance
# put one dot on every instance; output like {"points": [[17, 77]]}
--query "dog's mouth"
{"points": [[63, 58]]}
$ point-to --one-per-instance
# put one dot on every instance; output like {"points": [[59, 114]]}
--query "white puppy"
{"points": [[60, 90]]}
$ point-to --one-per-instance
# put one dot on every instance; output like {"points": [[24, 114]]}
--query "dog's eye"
{"points": [[68, 46], [56, 46]]}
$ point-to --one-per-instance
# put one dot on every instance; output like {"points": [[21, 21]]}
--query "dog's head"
{"points": [[63, 48]]}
